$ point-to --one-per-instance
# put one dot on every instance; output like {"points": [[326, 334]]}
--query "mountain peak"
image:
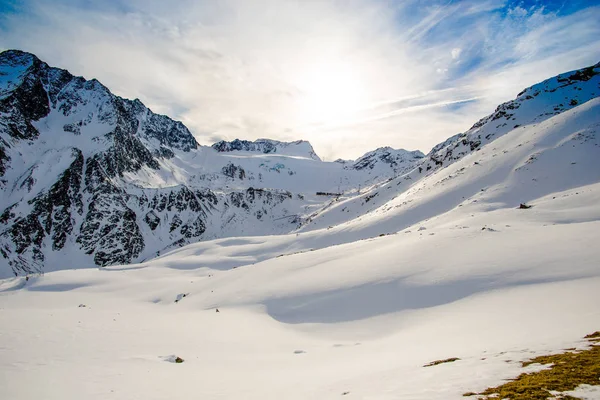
{"points": [[550, 85], [298, 148], [17, 57], [14, 66], [387, 155]]}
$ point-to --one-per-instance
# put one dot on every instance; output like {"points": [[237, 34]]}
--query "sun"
{"points": [[330, 92]]}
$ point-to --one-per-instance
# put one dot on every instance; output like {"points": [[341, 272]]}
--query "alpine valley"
{"points": [[138, 264]]}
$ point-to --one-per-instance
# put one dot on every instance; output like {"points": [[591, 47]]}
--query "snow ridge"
{"points": [[299, 148]]}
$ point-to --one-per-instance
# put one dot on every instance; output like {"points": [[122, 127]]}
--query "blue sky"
{"points": [[347, 75]]}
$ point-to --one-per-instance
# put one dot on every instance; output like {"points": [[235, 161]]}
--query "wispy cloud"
{"points": [[348, 76]]}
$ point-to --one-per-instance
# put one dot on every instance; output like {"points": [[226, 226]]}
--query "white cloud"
{"points": [[348, 76]]}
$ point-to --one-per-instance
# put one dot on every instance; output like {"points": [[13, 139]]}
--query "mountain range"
{"points": [[99, 180], [88, 178]]}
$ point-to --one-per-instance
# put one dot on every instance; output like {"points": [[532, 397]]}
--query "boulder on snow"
{"points": [[173, 359]]}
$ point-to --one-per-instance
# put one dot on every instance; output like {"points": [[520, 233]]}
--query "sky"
{"points": [[347, 75]]}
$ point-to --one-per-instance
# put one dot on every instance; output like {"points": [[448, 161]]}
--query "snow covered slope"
{"points": [[357, 320], [540, 142], [95, 179]]}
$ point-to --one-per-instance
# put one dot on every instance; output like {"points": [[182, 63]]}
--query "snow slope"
{"points": [[435, 263], [360, 318]]}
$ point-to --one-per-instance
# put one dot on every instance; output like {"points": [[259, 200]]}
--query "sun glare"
{"points": [[331, 92]]}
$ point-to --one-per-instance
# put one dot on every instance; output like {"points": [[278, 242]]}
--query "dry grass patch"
{"points": [[567, 371], [593, 337], [436, 362]]}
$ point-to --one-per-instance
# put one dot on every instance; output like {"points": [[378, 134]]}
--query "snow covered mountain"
{"points": [[398, 160], [92, 178], [467, 261], [299, 148], [502, 136]]}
